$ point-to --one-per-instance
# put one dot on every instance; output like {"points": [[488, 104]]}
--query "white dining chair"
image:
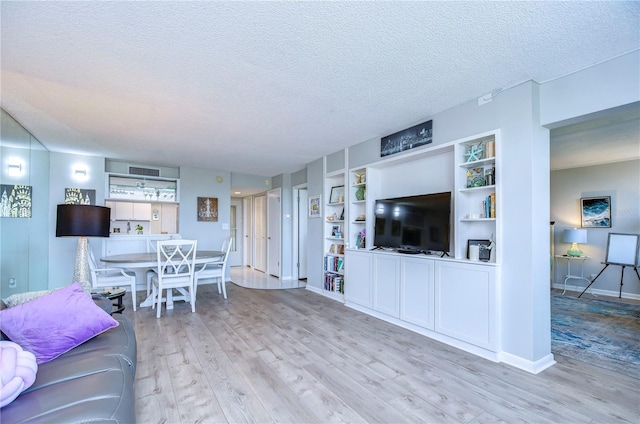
{"points": [[216, 270], [111, 277], [176, 270]]}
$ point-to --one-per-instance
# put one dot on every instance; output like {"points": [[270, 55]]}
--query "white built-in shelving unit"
{"points": [[335, 236], [446, 297]]}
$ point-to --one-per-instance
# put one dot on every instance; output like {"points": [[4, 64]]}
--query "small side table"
{"points": [[116, 294], [580, 260]]}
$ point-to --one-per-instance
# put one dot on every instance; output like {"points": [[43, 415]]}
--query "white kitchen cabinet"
{"points": [[169, 222], [129, 211], [141, 212]]}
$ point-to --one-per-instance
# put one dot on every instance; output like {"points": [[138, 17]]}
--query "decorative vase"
{"points": [[360, 193]]}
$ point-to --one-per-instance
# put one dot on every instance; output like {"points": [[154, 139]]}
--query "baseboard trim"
{"points": [[534, 367], [314, 289], [610, 293]]}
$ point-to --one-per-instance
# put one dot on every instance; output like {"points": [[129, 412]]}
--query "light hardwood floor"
{"points": [[293, 356]]}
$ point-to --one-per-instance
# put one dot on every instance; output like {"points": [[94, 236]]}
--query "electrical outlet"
{"points": [[12, 283]]}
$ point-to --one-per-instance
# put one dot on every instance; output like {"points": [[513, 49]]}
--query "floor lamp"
{"points": [[82, 221]]}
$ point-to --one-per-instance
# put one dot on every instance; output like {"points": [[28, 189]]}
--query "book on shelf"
{"points": [[489, 206], [334, 283], [333, 263]]}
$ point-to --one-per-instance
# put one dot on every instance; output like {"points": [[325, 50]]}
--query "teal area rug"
{"points": [[601, 332]]}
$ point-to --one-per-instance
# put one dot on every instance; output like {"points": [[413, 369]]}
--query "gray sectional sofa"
{"points": [[92, 382]]}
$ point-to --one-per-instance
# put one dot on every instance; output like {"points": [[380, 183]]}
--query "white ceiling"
{"points": [[265, 87], [610, 136]]}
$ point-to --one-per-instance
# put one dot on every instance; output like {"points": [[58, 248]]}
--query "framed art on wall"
{"points": [[314, 206], [79, 196], [596, 212], [16, 201], [208, 209], [413, 137]]}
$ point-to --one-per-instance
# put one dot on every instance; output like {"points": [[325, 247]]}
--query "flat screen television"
{"points": [[414, 223]]}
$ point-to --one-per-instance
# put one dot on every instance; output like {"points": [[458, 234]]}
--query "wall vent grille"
{"points": [[148, 172]]}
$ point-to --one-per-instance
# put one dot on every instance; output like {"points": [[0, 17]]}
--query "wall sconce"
{"points": [[79, 172], [14, 168]]}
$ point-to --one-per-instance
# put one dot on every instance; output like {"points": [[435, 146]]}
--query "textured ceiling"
{"points": [[266, 87]]}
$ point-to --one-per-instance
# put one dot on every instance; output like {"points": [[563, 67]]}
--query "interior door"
{"points": [[260, 233], [274, 216], [247, 231], [303, 199], [235, 227]]}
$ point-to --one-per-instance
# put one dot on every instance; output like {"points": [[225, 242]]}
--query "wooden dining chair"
{"points": [[176, 270], [216, 270], [111, 277]]}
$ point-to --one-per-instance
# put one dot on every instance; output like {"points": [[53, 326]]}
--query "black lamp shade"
{"points": [[82, 221]]}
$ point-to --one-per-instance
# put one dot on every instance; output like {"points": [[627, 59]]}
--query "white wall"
{"points": [[604, 86], [619, 180], [315, 228], [197, 182]]}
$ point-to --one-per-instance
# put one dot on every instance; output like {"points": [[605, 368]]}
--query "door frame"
{"points": [[274, 232], [298, 211], [264, 222], [247, 211]]}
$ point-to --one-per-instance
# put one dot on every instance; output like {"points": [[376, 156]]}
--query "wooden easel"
{"points": [[622, 250]]}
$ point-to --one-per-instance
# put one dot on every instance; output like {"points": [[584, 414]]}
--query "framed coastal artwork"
{"points": [[596, 212]]}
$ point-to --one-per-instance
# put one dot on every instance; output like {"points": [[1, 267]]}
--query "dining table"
{"points": [[139, 263]]}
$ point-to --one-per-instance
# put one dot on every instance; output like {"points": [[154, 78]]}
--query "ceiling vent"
{"points": [[147, 172]]}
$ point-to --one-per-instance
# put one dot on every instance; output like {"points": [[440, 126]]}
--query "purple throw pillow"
{"points": [[56, 323]]}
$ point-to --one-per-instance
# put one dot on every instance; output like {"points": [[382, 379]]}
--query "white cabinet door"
{"points": [[169, 219], [112, 206], [124, 211], [386, 284], [358, 278], [142, 211], [417, 292], [466, 306]]}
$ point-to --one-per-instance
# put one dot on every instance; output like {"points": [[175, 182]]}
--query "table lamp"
{"points": [[574, 236], [82, 221]]}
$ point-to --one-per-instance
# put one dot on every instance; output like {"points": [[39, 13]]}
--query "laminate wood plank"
{"points": [[283, 404], [155, 399], [295, 356], [320, 400], [433, 407], [366, 371], [366, 403], [228, 385], [187, 381]]}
